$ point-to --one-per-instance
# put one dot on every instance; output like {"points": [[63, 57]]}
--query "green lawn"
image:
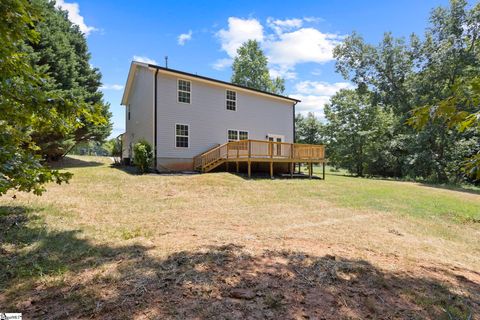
{"points": [[416, 199], [116, 244]]}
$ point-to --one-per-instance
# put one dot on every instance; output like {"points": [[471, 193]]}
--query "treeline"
{"points": [[49, 93], [415, 111]]}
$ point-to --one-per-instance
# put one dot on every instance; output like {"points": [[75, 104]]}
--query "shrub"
{"points": [[142, 155]]}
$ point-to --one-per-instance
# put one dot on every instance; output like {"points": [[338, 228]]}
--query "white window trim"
{"points": [[228, 138], [248, 134], [236, 100], [269, 135], [178, 90], [175, 137], [238, 134]]}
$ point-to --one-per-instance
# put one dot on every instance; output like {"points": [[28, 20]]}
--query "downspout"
{"points": [[155, 120], [294, 138]]}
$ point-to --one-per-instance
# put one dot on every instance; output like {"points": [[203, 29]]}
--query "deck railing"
{"points": [[260, 149]]}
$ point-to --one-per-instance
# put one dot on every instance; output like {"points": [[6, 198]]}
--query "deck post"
{"points": [[249, 156], [292, 168], [271, 169], [237, 167], [323, 173], [310, 170], [226, 164]]}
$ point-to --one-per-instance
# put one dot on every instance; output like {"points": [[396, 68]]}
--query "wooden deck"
{"points": [[250, 151]]}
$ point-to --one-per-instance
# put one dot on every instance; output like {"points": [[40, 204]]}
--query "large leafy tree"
{"points": [[358, 132], [61, 52], [454, 66], [401, 75], [308, 129], [24, 103], [250, 69]]}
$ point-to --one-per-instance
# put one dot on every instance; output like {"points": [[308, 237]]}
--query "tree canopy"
{"points": [[308, 129], [61, 52], [49, 94], [250, 69], [358, 132], [23, 103], [431, 78]]}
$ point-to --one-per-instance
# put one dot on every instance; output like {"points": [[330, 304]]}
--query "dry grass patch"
{"points": [[114, 244]]}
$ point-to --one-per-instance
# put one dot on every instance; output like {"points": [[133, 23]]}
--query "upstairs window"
{"points": [[184, 91], [231, 100], [181, 135]]}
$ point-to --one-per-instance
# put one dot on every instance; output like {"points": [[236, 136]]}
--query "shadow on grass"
{"points": [[68, 162], [127, 169], [48, 274], [266, 176], [451, 188]]}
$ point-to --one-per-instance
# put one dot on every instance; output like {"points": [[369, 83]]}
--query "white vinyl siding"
{"points": [[184, 91], [209, 120]]}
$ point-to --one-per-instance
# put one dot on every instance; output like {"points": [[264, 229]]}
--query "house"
{"points": [[195, 122]]}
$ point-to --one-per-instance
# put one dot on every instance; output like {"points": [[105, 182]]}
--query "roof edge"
{"points": [[218, 81]]}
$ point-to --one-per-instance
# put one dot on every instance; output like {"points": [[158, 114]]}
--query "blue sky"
{"points": [[201, 37]]}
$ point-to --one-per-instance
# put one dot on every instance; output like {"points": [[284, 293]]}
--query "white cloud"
{"points": [[312, 19], [310, 103], [289, 44], [279, 71], [116, 87], [144, 59], [301, 46], [239, 31], [320, 87], [315, 95], [280, 26], [221, 64], [184, 37], [73, 11]]}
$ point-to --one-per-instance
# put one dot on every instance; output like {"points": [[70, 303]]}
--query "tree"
{"points": [[250, 69], [61, 52], [24, 103], [308, 129], [357, 133], [460, 111], [403, 75]]}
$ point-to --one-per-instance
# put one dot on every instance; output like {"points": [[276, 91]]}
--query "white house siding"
{"points": [[209, 120], [140, 103]]}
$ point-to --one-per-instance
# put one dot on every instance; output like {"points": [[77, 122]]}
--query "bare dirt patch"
{"points": [[229, 282]]}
